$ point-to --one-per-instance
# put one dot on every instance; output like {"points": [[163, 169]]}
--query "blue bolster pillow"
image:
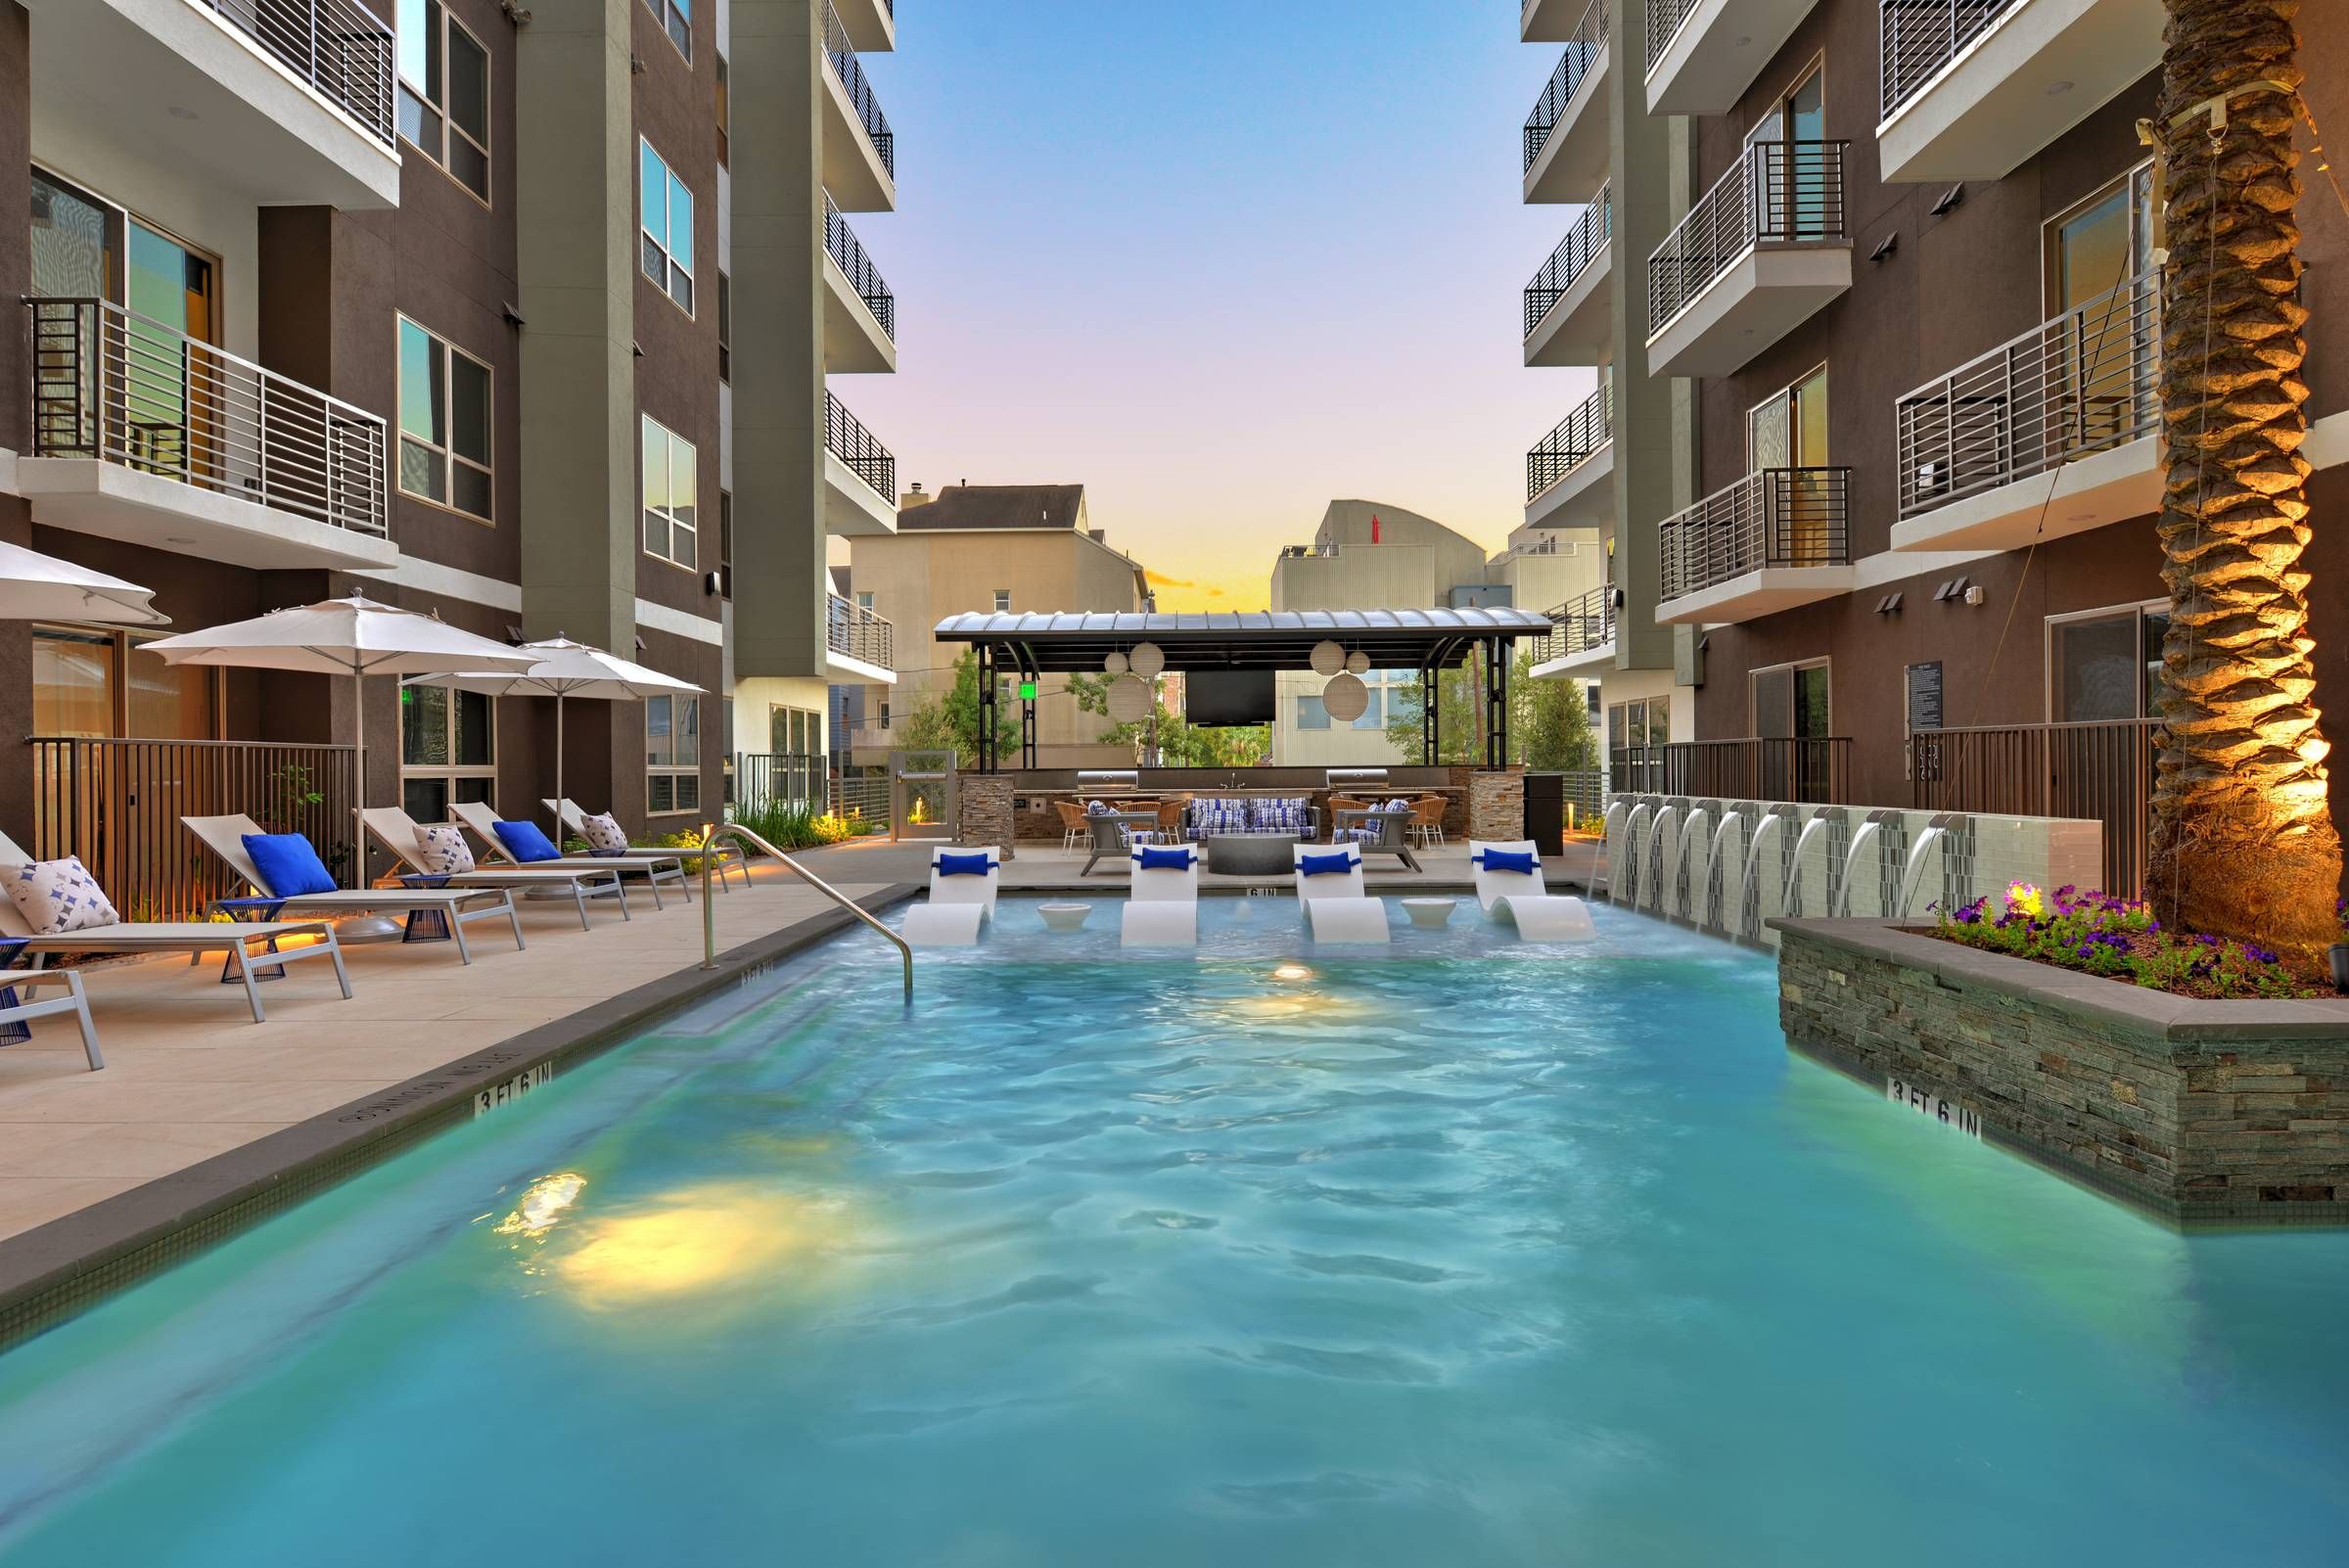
{"points": [[1510, 860], [1153, 858], [964, 866], [288, 863], [526, 843], [1315, 865]]}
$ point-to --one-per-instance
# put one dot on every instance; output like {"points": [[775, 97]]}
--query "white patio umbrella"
{"points": [[354, 637], [563, 669], [41, 587]]}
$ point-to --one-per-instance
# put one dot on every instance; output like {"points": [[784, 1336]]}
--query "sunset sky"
{"points": [[1219, 261]]}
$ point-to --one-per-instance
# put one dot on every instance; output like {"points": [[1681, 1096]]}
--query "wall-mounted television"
{"points": [[1227, 696]]}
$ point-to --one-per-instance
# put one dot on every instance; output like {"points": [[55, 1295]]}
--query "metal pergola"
{"points": [[1032, 645]]}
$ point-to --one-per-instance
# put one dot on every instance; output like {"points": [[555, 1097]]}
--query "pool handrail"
{"points": [[745, 840]]}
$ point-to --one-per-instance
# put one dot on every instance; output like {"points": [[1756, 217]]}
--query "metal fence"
{"points": [[862, 798], [1664, 18], [1581, 245], [1919, 37], [864, 277], [1582, 50], [1585, 789], [121, 388], [1577, 436], [1776, 192], [340, 48], [118, 805], [786, 780], [1811, 769], [852, 630], [2101, 770], [2084, 382], [841, 56], [1781, 517], [847, 439]]}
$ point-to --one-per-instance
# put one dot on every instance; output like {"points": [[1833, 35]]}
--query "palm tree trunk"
{"points": [[2244, 843]]}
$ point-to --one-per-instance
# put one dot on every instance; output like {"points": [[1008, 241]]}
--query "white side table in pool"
{"points": [[1429, 912], [1064, 916]]}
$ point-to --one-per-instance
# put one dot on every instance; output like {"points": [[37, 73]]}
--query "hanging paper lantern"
{"points": [[1328, 657], [1358, 662], [1346, 697], [1115, 664], [1146, 659], [1129, 700]]}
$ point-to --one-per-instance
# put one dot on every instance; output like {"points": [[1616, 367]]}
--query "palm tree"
{"points": [[2244, 843]]}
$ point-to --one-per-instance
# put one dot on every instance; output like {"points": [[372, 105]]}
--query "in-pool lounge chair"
{"points": [[1509, 886], [963, 883], [457, 907], [665, 866], [396, 830], [573, 820], [1330, 893], [1162, 907], [194, 938]]}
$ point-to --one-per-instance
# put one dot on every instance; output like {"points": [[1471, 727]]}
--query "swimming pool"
{"points": [[1462, 1252]]}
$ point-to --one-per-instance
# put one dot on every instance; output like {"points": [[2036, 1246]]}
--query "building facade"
{"points": [[447, 311], [1896, 323]]}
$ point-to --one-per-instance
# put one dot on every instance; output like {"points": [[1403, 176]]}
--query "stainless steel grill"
{"points": [[1583, 51], [1567, 447], [1583, 243], [1776, 192], [1781, 517]]}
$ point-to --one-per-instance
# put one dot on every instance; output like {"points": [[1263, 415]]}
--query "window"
{"points": [[670, 528], [864, 600], [444, 93], [444, 423], [2106, 664], [1002, 600], [668, 209], [672, 753], [794, 731], [677, 18], [725, 544], [1639, 723], [92, 682], [1793, 181], [725, 328], [1790, 700], [448, 749], [721, 111], [1312, 714]]}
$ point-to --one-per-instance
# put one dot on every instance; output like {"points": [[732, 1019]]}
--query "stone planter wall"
{"points": [[1492, 805], [982, 811], [2201, 1111]]}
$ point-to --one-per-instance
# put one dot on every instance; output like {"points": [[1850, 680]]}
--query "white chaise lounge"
{"points": [[573, 820], [959, 902], [663, 866], [1162, 907], [1523, 899], [1333, 901], [459, 908], [396, 830]]}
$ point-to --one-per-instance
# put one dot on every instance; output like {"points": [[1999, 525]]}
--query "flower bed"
{"points": [[2120, 939]]}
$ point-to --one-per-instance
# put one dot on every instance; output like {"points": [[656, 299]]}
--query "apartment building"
{"points": [[1372, 555], [1897, 337], [438, 304], [988, 547]]}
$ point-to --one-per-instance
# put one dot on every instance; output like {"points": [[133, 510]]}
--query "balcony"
{"points": [[1971, 88], [857, 644], [860, 315], [279, 101], [1582, 638], [1566, 135], [2078, 398], [1756, 256], [871, 25], [2095, 770], [1569, 306], [860, 476], [861, 156], [1768, 542], [1702, 55], [1568, 472], [142, 435], [1549, 21]]}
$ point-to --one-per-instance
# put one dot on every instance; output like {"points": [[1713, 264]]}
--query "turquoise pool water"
{"points": [[1465, 1253]]}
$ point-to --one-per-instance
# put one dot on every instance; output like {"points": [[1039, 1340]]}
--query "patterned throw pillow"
{"points": [[442, 850], [603, 834], [58, 896]]}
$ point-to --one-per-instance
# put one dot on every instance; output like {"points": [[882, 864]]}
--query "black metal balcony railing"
{"points": [[1583, 243], [1577, 436], [1920, 37], [1583, 51], [117, 803], [2102, 771], [1781, 517], [855, 632], [126, 390], [1582, 624], [1776, 192], [841, 56], [339, 47], [2082, 382], [780, 781], [864, 277], [847, 439], [1813, 770], [1664, 18]]}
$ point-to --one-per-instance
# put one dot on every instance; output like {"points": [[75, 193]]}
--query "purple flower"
{"points": [[2259, 955]]}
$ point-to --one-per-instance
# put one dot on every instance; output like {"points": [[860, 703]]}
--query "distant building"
{"points": [[1370, 555]]}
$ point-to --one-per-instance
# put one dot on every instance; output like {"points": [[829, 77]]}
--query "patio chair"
{"points": [[962, 899], [1427, 821], [1072, 824], [396, 830], [1330, 895], [17, 1011], [194, 938], [667, 865], [1108, 836], [1162, 907], [1384, 832], [457, 907], [573, 820], [1509, 886]]}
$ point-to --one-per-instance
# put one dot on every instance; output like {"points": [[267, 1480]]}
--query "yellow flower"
{"points": [[2022, 899]]}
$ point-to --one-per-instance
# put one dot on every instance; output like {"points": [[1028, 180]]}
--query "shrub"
{"points": [[2118, 938]]}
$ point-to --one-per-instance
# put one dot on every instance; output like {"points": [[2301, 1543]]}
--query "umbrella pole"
{"points": [[358, 785], [558, 767]]}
